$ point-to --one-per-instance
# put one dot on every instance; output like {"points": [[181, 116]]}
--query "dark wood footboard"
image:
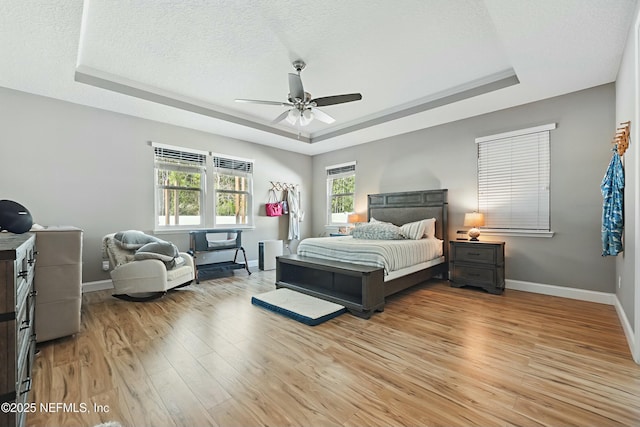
{"points": [[359, 288]]}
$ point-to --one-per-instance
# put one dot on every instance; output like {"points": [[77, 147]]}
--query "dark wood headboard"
{"points": [[410, 206]]}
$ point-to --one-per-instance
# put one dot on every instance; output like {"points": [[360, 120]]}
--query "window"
{"points": [[180, 176], [341, 184], [233, 189], [513, 180]]}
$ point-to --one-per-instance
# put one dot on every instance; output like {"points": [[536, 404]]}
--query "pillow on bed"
{"points": [[430, 228], [375, 221], [377, 231], [419, 229], [414, 230]]}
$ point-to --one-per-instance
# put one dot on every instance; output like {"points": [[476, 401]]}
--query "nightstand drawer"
{"points": [[485, 254], [473, 275]]}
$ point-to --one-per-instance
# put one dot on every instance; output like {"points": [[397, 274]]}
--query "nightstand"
{"points": [[479, 264]]}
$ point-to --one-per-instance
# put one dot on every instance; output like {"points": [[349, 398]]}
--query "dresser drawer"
{"points": [[23, 324], [474, 275], [25, 312], [25, 264], [24, 386], [485, 254], [23, 288]]}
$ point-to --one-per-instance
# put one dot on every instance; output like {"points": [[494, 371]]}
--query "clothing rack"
{"points": [[282, 186], [621, 138], [293, 198]]}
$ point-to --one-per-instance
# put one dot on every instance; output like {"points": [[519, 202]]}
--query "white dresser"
{"points": [[58, 281]]}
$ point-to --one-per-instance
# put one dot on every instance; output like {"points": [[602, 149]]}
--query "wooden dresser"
{"points": [[17, 332]]}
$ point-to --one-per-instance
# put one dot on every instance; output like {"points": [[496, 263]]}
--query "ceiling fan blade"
{"points": [[336, 99], [280, 118], [295, 87], [255, 101], [322, 116]]}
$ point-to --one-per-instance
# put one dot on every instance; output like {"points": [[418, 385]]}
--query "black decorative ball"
{"points": [[14, 217]]}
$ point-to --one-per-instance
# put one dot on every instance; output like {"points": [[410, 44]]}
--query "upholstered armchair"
{"points": [[143, 267]]}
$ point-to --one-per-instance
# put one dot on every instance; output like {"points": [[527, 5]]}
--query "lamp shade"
{"points": [[473, 219], [354, 217], [292, 116], [306, 117]]}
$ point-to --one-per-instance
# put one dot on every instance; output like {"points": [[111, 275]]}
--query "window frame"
{"points": [[188, 166], [248, 192], [535, 135], [341, 170]]}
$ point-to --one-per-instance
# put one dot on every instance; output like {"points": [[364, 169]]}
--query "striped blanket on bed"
{"points": [[391, 255]]}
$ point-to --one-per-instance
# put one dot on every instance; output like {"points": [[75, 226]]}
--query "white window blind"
{"points": [[178, 159], [233, 165], [340, 171], [513, 180]]}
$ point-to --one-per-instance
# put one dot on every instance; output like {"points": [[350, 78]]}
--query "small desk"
{"points": [[198, 243]]}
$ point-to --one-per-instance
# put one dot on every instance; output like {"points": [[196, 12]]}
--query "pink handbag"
{"points": [[273, 206]]}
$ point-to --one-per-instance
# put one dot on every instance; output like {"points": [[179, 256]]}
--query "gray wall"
{"points": [[626, 92], [74, 165], [445, 157]]}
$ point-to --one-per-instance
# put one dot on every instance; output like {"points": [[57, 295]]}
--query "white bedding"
{"points": [[392, 255]]}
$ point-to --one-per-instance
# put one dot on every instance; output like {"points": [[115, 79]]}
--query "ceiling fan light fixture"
{"points": [[292, 116], [306, 117]]}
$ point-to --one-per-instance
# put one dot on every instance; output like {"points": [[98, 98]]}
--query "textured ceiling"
{"points": [[417, 63]]}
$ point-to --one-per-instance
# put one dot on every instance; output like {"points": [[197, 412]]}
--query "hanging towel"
{"points": [[294, 215], [612, 209]]}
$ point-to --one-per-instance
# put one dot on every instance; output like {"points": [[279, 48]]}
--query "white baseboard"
{"points": [[99, 285], [628, 330], [561, 291]]}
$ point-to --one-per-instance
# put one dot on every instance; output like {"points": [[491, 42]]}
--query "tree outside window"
{"points": [[233, 190], [179, 188], [341, 183], [231, 199]]}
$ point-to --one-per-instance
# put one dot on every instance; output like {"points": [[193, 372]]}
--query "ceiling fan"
{"points": [[303, 108]]}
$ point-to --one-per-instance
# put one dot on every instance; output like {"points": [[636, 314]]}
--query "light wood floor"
{"points": [[437, 356]]}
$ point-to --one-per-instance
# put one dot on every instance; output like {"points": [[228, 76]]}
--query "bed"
{"points": [[361, 288]]}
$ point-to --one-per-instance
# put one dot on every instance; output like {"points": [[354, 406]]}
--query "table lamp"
{"points": [[474, 220], [353, 218]]}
